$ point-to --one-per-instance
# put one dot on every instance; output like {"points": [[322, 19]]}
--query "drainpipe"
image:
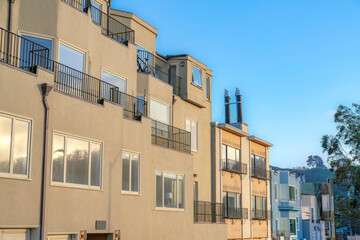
{"points": [[45, 89]]}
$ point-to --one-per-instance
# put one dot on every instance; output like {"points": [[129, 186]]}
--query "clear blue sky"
{"points": [[293, 61]]}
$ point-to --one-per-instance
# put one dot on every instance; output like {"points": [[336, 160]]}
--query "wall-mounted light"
{"points": [[182, 64]]}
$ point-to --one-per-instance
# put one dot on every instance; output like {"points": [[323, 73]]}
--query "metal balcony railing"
{"points": [[231, 212], [208, 212], [230, 165], [261, 214], [109, 25], [27, 55], [260, 173], [170, 137], [20, 52], [149, 63]]}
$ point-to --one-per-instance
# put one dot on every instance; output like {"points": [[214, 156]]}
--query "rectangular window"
{"points": [[114, 80], [327, 229], [159, 111], [96, 9], [196, 77], [231, 158], [292, 193], [312, 214], [71, 57], [284, 226], [232, 205], [192, 127], [292, 227], [276, 231], [40, 57], [76, 161], [130, 172], [297, 223], [284, 192], [325, 202], [276, 191], [14, 146], [208, 90], [170, 190], [259, 207], [196, 191], [258, 166], [14, 234]]}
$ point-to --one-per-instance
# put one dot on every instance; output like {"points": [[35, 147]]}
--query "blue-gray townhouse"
{"points": [[285, 205]]}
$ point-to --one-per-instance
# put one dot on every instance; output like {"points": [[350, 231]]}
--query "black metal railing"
{"points": [[109, 25], [22, 53], [260, 173], [208, 212], [170, 137], [234, 166], [154, 65], [232, 212], [261, 214]]}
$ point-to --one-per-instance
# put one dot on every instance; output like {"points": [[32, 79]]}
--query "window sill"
{"points": [[75, 186], [130, 193], [197, 85], [169, 209], [15, 177]]}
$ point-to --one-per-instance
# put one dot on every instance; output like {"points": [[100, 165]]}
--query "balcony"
{"points": [[208, 212], [260, 173], [109, 25], [289, 206], [234, 166], [151, 64], [170, 137], [27, 55], [261, 214], [236, 213]]}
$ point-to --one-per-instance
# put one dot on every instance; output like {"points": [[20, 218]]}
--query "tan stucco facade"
{"points": [[226, 180], [70, 209]]}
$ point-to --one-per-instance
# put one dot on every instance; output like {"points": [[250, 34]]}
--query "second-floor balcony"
{"points": [[289, 205], [233, 166], [154, 65], [208, 212], [109, 25], [170, 137], [260, 173], [258, 214], [28, 55]]}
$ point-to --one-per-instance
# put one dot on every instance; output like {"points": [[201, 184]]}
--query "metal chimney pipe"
{"points": [[239, 106], [227, 107]]}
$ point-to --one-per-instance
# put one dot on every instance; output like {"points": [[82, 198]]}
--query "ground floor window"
{"points": [[232, 204], [14, 234], [130, 172], [292, 227], [170, 190]]}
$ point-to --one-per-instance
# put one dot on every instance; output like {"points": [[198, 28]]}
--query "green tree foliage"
{"points": [[343, 150], [314, 161]]}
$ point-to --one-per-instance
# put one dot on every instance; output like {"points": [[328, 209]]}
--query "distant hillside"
{"points": [[311, 174]]}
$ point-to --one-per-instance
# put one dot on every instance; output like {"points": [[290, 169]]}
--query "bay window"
{"points": [[76, 161], [170, 190], [14, 146]]}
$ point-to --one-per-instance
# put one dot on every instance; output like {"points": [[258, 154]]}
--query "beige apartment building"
{"points": [[241, 176], [101, 136]]}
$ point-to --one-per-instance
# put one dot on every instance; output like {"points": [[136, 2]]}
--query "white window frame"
{"points": [[177, 191], [116, 75], [30, 131], [294, 193], [197, 134], [164, 103], [26, 231], [45, 37], [129, 192], [75, 185], [61, 42], [192, 76]]}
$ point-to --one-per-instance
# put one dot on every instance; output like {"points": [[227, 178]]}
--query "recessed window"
{"points": [[76, 161], [14, 146], [283, 192], [276, 191], [259, 207], [39, 57], [192, 127], [258, 166], [292, 190], [208, 90], [292, 227], [159, 111], [96, 12], [232, 204], [196, 77], [170, 190], [130, 172], [230, 158], [114, 80], [72, 58]]}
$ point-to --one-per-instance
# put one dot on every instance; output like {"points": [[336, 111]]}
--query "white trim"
{"points": [[75, 185], [201, 76], [290, 185], [129, 192], [290, 228], [162, 102], [43, 36], [62, 42], [102, 69], [30, 121]]}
